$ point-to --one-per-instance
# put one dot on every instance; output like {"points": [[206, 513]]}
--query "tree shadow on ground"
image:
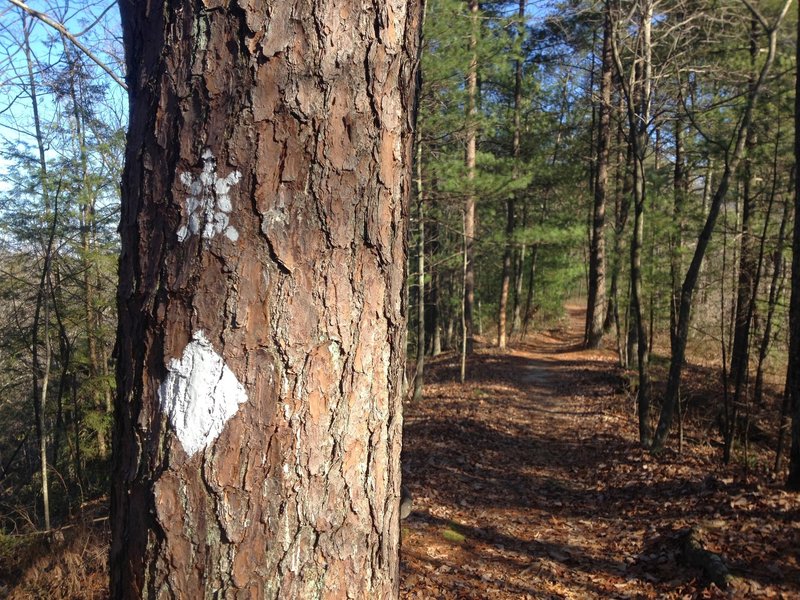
{"points": [[515, 460]]}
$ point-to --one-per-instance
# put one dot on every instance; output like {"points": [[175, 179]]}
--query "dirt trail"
{"points": [[528, 483]]}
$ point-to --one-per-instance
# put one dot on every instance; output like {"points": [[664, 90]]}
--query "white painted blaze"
{"points": [[209, 204], [200, 394]]}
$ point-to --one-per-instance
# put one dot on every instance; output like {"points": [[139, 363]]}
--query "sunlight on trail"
{"points": [[528, 482]]}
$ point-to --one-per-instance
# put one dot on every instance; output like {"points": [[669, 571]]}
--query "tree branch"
{"points": [[63, 30]]}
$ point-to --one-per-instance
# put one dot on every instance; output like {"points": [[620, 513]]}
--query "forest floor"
{"points": [[528, 482]]}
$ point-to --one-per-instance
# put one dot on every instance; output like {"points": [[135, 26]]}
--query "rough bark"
{"points": [[262, 315]]}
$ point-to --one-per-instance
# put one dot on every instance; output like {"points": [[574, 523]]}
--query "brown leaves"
{"points": [[535, 462]]}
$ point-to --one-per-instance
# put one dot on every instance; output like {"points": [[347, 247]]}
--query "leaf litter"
{"points": [[529, 483]]}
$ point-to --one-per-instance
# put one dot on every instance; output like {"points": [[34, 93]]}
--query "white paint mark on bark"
{"points": [[209, 202], [200, 394]]}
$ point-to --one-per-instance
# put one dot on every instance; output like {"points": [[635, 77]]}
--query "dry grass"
{"points": [[70, 562]]}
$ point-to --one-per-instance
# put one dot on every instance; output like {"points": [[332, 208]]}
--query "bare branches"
{"points": [[762, 20], [72, 38]]}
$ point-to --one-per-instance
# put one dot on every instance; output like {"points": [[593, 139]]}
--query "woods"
{"points": [[241, 238]]}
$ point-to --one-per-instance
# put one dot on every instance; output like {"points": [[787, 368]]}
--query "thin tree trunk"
{"points": [[747, 277], [529, 299], [464, 324], [262, 305], [760, 264], [64, 357], [433, 312], [784, 425], [41, 368], [596, 299], [637, 90], [76, 430], [472, 136], [519, 280], [775, 292], [690, 280], [676, 239], [419, 373], [511, 202], [793, 377]]}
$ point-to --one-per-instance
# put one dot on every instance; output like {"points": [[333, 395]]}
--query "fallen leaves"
{"points": [[529, 483]]}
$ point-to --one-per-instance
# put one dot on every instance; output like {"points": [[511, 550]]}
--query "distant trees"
{"points": [[522, 245], [62, 126], [793, 373], [733, 153]]}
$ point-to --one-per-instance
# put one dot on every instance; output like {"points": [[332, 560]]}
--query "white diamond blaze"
{"points": [[209, 202], [200, 394]]}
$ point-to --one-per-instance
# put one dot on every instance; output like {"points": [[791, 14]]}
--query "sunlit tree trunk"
{"points": [[471, 150], [508, 254], [596, 300], [41, 319], [419, 373], [262, 317]]}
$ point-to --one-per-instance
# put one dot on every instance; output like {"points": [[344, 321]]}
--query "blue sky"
{"points": [[94, 22]]}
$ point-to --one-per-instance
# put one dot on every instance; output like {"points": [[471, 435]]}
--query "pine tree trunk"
{"points": [[419, 373], [469, 219], [508, 254], [596, 301], [262, 315], [793, 378]]}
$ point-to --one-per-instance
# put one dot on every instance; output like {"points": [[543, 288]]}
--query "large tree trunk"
{"points": [[262, 319], [596, 301]]}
